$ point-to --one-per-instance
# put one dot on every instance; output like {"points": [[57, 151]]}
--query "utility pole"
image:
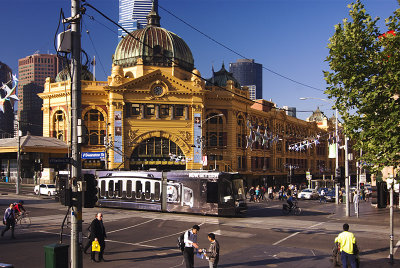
{"points": [[76, 214], [346, 176], [17, 185]]}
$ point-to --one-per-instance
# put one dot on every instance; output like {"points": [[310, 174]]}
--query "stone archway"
{"points": [[159, 150]]}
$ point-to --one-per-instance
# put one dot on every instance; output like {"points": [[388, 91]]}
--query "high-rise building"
{"points": [[32, 73], [249, 74], [7, 116], [132, 14]]}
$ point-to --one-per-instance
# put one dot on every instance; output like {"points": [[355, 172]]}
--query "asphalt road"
{"points": [[264, 238]]}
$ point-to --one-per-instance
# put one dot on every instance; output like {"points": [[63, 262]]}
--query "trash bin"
{"points": [[56, 256]]}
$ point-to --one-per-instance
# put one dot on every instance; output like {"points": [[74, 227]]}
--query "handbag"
{"points": [[95, 246]]}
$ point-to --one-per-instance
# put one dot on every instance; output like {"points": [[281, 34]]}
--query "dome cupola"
{"points": [[155, 46]]}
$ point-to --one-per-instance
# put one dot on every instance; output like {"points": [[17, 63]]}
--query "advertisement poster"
{"points": [[197, 139], [117, 137]]}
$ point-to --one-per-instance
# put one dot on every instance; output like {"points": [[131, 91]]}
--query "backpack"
{"points": [[181, 242]]}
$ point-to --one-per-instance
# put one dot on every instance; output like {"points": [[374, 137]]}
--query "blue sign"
{"points": [[93, 155]]}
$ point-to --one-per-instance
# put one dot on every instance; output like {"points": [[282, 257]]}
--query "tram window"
{"points": [[120, 188], [103, 188], [111, 188], [138, 190], [157, 191], [226, 194], [147, 190], [212, 192], [129, 189]]}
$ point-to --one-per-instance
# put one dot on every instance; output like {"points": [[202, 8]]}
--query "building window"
{"points": [[150, 109], [164, 110], [59, 130], [179, 110], [135, 110], [96, 127]]}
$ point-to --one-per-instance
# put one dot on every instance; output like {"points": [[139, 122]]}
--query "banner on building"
{"points": [[332, 150], [197, 139], [118, 137]]}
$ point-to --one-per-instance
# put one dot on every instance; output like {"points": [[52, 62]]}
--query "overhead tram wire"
{"points": [[94, 47], [171, 60], [237, 53]]}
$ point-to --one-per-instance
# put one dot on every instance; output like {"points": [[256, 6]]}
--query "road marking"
{"points": [[296, 233], [165, 236], [233, 234], [396, 247], [133, 226], [280, 241]]}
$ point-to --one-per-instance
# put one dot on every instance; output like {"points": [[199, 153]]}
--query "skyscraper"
{"points": [[32, 73], [132, 14], [7, 116], [249, 74]]}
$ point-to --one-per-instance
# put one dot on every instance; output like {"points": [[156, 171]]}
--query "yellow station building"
{"points": [[156, 112]]}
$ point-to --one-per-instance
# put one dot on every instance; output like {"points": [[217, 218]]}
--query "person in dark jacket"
{"points": [[213, 251], [9, 220], [97, 233]]}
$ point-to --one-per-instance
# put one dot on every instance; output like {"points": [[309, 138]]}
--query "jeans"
{"points": [[348, 257]]}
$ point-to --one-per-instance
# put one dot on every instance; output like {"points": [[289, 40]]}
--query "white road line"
{"points": [[161, 237], [133, 226], [395, 249], [296, 233], [280, 241]]}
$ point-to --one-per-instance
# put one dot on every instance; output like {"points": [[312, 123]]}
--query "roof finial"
{"points": [[153, 19]]}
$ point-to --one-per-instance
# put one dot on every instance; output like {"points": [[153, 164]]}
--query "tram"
{"points": [[185, 191]]}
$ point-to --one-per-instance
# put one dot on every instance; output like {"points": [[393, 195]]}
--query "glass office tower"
{"points": [[133, 13], [249, 74]]}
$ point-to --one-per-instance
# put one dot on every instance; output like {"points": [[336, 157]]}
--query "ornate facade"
{"points": [[156, 112]]}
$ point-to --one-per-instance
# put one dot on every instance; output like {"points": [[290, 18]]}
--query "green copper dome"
{"points": [[155, 46], [64, 74]]}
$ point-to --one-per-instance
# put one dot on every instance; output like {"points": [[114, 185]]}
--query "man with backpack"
{"points": [[9, 220], [190, 240]]}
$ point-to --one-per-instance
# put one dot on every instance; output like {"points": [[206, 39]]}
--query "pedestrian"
{"points": [[356, 201], [213, 251], [190, 240], [252, 192], [322, 196], [97, 233], [258, 193], [348, 247], [9, 220]]}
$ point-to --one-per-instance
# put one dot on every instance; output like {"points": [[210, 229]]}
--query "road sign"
{"points": [[64, 160], [93, 155]]}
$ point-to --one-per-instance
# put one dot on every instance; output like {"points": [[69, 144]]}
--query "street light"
{"points": [[337, 155]]}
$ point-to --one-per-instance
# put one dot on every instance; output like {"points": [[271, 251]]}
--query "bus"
{"points": [[184, 191]]}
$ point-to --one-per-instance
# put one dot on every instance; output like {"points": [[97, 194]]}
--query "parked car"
{"points": [[308, 194], [46, 189], [330, 196]]}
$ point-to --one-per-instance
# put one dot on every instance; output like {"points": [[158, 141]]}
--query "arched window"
{"points": [[96, 127], [157, 148], [60, 125], [215, 135]]}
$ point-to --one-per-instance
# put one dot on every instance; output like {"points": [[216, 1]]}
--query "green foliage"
{"points": [[364, 82]]}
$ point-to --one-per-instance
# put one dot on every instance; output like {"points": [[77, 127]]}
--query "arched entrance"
{"points": [[157, 153]]}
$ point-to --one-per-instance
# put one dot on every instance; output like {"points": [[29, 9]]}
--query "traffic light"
{"points": [[90, 196]]}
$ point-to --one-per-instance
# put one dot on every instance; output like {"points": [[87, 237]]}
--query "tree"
{"points": [[364, 82]]}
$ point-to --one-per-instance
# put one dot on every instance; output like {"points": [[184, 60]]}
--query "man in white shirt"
{"points": [[190, 239]]}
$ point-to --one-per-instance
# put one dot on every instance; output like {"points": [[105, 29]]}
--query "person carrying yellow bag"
{"points": [[97, 236]]}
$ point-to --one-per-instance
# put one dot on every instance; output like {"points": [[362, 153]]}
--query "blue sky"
{"points": [[287, 36]]}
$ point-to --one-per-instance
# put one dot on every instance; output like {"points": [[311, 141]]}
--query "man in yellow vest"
{"points": [[347, 243]]}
